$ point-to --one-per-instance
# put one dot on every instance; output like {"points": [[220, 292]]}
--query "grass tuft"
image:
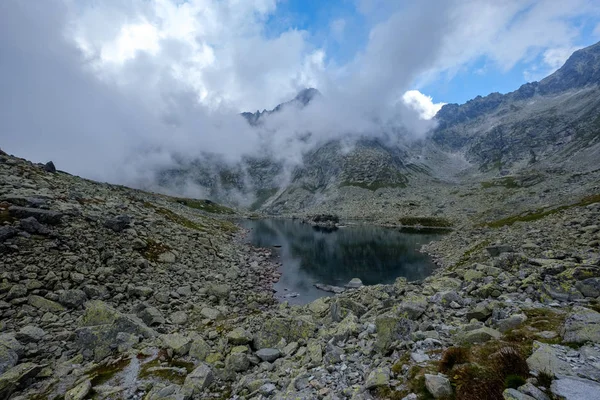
{"points": [[453, 356]]}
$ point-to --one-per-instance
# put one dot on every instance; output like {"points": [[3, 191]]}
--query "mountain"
{"points": [[534, 147]]}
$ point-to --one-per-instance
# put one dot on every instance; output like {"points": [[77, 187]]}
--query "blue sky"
{"points": [[479, 76]]}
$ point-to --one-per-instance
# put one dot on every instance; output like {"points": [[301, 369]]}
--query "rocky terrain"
{"points": [[107, 292]]}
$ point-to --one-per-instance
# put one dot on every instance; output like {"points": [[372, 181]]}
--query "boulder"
{"points": [[496, 250], [239, 336], [16, 291], [31, 225], [152, 316], [210, 313], [438, 385], [219, 290], [582, 325], [390, 328], [379, 377], [10, 351], [237, 362], [30, 334], [268, 354], [80, 391], [480, 335], [178, 343], [354, 283], [49, 167], [290, 329], [73, 298], [573, 388], [199, 349], [7, 232], [119, 223], [589, 287], [413, 307], [545, 359], [514, 394], [17, 377], [100, 326], [197, 380], [44, 216]]}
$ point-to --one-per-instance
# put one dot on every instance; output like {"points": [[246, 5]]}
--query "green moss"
{"points": [[205, 205], [541, 213], [467, 255], [105, 372], [170, 370], [154, 249]]}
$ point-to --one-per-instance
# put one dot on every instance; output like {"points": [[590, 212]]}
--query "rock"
{"points": [[545, 359], [589, 287], [119, 223], [100, 326], [49, 167], [572, 388], [290, 329], [390, 328], [220, 291], [179, 317], [80, 391], [495, 251], [330, 288], [413, 307], [178, 343], [7, 232], [198, 380], [354, 283], [199, 349], [319, 306], [141, 291], [16, 291], [239, 336], [73, 298], [30, 334], [268, 354], [511, 322], [10, 351], [347, 328], [438, 385], [472, 274], [31, 225], [480, 312], [582, 325], [237, 362], [152, 316], [480, 335], [167, 257], [210, 313], [17, 377], [514, 394], [419, 357], [530, 390], [348, 304], [44, 216], [267, 389], [379, 377]]}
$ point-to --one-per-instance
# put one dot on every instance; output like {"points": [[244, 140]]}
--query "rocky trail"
{"points": [[108, 292]]}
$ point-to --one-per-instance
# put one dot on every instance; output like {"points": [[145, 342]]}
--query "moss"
{"points": [[170, 370], [467, 255], [514, 381], [541, 213], [105, 372], [205, 205], [154, 249]]}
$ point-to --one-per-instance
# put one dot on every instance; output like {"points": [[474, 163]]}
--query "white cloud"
{"points": [[338, 28], [555, 58], [596, 32], [421, 103]]}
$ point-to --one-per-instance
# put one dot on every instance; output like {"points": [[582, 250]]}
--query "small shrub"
{"points": [[474, 382], [453, 356], [514, 381], [545, 379]]}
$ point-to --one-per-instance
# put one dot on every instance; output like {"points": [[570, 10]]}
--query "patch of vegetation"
{"points": [[154, 249], [541, 213], [427, 222], [169, 369], [105, 372], [453, 356], [178, 219], [467, 256], [6, 217], [205, 205], [508, 182], [388, 393]]}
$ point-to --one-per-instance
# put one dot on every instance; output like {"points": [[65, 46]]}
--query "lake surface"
{"points": [[310, 255]]}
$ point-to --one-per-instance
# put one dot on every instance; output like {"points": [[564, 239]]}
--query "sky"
{"points": [[117, 89]]}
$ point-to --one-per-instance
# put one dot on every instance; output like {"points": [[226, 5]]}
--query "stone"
{"points": [[178, 343], [43, 216], [73, 298], [16, 291], [199, 349], [80, 391], [10, 351], [7, 232], [354, 283], [319, 306], [545, 359], [315, 352], [49, 167], [167, 257], [99, 327], [438, 385], [268, 354], [495, 251], [152, 316], [379, 377], [390, 328], [530, 390], [237, 362], [141, 291], [480, 335], [472, 274], [119, 223], [210, 313], [197, 380], [239, 336], [573, 388], [17, 377], [291, 329], [582, 325], [589, 287], [419, 357], [511, 322], [480, 312], [514, 394], [267, 389], [179, 317], [31, 225], [413, 307], [219, 290], [30, 334], [347, 328]]}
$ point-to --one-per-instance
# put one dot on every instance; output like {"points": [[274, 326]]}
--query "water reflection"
{"points": [[333, 257]]}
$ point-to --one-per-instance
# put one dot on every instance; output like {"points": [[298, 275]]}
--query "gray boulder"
{"points": [[151, 316], [44, 216], [30, 334], [582, 325], [572, 388], [290, 329], [17, 378], [545, 359], [589, 287], [438, 385], [119, 223], [10, 351], [268, 354], [7, 232], [73, 298], [389, 328], [196, 381], [31, 225]]}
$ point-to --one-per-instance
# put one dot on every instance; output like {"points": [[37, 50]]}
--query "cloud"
{"points": [[121, 90], [421, 103], [338, 27]]}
